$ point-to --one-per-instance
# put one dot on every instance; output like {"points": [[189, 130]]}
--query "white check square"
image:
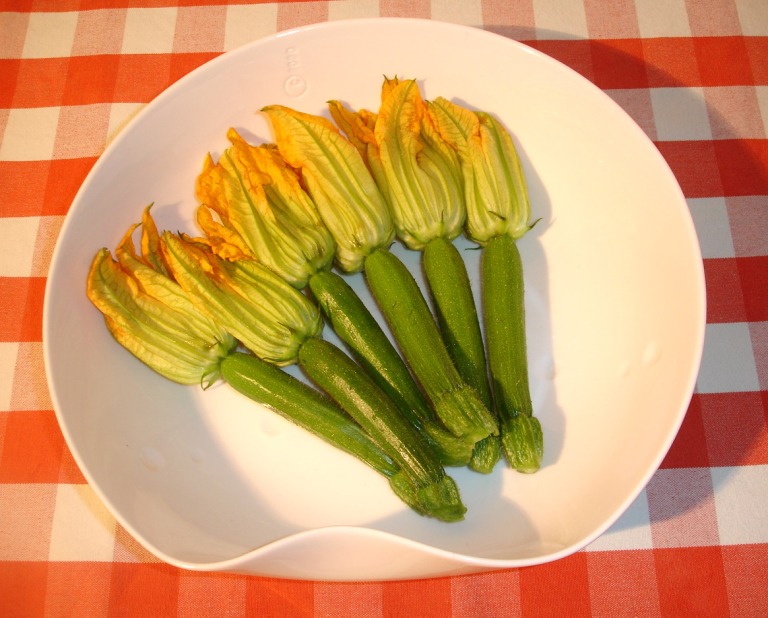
{"points": [[351, 9], [728, 361], [565, 19], [30, 134], [149, 31], [244, 24], [710, 217], [741, 501], [50, 35], [83, 529], [468, 12], [680, 114], [753, 17], [662, 18], [17, 246]]}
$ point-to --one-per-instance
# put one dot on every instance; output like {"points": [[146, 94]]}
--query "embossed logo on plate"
{"points": [[295, 85]]}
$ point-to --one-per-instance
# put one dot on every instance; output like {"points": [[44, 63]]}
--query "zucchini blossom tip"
{"points": [[419, 168], [263, 311]]}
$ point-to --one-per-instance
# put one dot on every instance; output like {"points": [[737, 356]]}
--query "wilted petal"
{"points": [[356, 125], [259, 199], [150, 240], [224, 241]]}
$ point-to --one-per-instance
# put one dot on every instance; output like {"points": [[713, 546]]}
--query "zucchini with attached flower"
{"points": [[357, 215], [419, 175], [182, 311], [498, 214], [264, 213], [281, 325]]}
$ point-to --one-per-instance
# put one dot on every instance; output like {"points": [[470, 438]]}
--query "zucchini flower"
{"points": [[151, 315], [495, 189], [421, 171], [268, 315], [415, 169], [264, 212], [338, 181]]}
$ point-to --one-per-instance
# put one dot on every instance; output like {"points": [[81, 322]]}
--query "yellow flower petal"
{"points": [[224, 241]]}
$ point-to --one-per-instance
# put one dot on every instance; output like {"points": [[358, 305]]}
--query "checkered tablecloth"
{"points": [[692, 73]]}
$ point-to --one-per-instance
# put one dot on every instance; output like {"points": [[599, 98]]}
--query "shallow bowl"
{"points": [[615, 317]]}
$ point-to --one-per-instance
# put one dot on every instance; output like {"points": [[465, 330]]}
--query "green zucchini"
{"points": [[504, 320], [344, 381], [456, 314], [305, 406], [457, 405], [354, 324]]}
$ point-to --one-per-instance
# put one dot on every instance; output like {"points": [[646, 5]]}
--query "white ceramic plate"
{"points": [[615, 301]]}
